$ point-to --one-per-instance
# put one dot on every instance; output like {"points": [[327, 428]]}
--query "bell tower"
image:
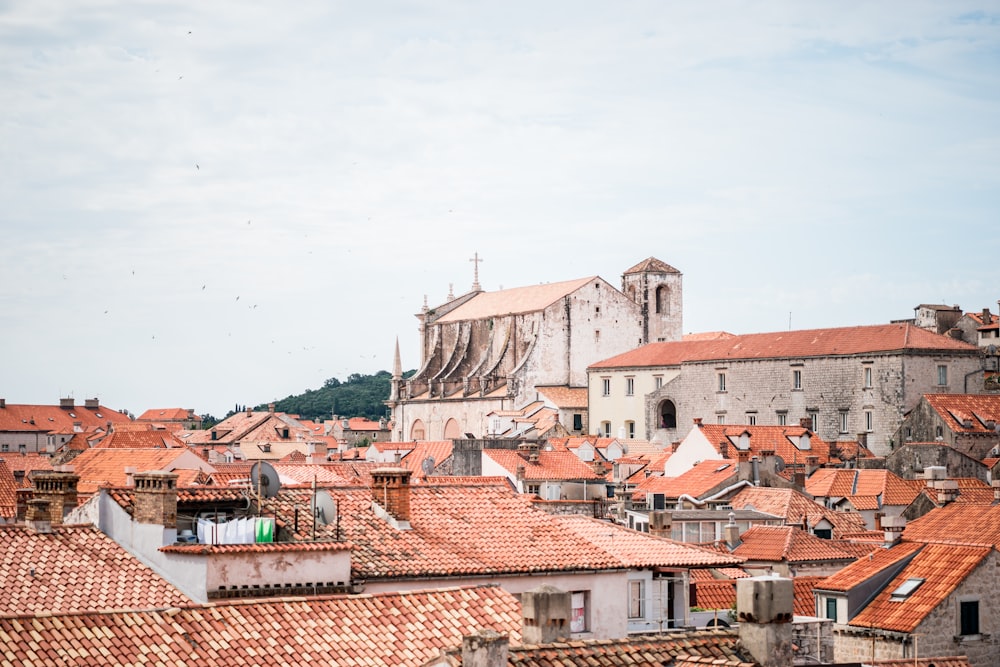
{"points": [[658, 288]]}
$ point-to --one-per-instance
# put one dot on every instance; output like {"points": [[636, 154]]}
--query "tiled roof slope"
{"points": [[399, 629], [97, 467], [637, 549], [28, 463], [782, 440], [883, 485], [75, 568], [455, 530], [45, 418], [804, 603], [512, 301], [696, 482], [166, 414], [8, 492], [651, 265], [864, 569], [558, 464], [788, 344], [140, 440], [957, 523], [796, 508], [719, 648], [978, 409], [787, 544], [565, 397], [942, 567]]}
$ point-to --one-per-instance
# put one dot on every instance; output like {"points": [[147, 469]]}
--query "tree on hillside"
{"points": [[360, 396]]}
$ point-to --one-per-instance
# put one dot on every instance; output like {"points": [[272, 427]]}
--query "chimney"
{"points": [[38, 517], [21, 498], [755, 471], [528, 451], [317, 452], [91, 403], [764, 609], [660, 523], [987, 318], [724, 449], [947, 490], [391, 495], [485, 648], [697, 422], [892, 529], [130, 472], [545, 615], [812, 463], [806, 422], [270, 408], [732, 532], [66, 403], [59, 488], [3, 403], [156, 498]]}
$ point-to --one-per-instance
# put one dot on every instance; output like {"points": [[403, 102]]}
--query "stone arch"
{"points": [[666, 414], [663, 300], [452, 431], [417, 430]]}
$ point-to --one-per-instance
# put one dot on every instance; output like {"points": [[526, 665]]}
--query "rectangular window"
{"points": [[752, 419], [831, 608], [796, 379], [720, 419], [630, 428], [629, 386], [869, 421], [577, 421], [782, 418], [844, 421], [722, 381], [813, 416], [659, 381], [636, 599], [606, 429], [597, 335], [4, 448], [578, 621], [534, 489], [868, 377], [969, 610], [605, 386], [942, 375]]}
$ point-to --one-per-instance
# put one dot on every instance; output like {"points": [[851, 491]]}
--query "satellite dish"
{"points": [[427, 465], [779, 464], [264, 479], [324, 507]]}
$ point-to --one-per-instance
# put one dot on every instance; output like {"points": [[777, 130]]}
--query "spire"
{"points": [[451, 291], [397, 365], [476, 259]]}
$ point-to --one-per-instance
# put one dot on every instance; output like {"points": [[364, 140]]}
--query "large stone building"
{"points": [[852, 383], [484, 352]]}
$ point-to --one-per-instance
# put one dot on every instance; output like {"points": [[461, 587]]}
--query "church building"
{"points": [[486, 352]]}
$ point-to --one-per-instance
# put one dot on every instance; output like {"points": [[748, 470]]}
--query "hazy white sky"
{"points": [[210, 203]]}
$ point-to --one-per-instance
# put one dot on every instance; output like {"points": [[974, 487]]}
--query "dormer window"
{"points": [[905, 590]]}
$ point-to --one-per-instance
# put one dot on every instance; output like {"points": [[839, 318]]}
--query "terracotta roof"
{"points": [[713, 594], [369, 630], [864, 569], [707, 335], [551, 465], [696, 482], [455, 530], [796, 508], [46, 418], [8, 492], [788, 344], [513, 301], [640, 550], [787, 544], [978, 409], [168, 414], [805, 602], [97, 467], [957, 523], [942, 567], [784, 441], [719, 648], [564, 397], [651, 265], [27, 463], [75, 568], [134, 439], [438, 451], [866, 489]]}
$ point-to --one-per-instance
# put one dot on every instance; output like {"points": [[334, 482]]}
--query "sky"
{"points": [[205, 204]]}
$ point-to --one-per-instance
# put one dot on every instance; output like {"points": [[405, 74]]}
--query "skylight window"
{"points": [[722, 467], [73, 415], [905, 589]]}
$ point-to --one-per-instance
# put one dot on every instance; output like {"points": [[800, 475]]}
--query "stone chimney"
{"points": [[130, 472], [391, 495], [317, 452], [661, 523], [731, 532], [59, 489], [21, 498], [987, 318], [996, 491], [764, 609], [545, 615], [806, 422], [270, 408], [697, 422], [947, 490], [38, 517], [892, 529], [724, 449], [528, 451], [91, 403], [485, 648], [156, 498], [66, 403]]}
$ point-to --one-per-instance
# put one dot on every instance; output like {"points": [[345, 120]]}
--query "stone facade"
{"points": [[910, 460], [926, 424], [486, 352]]}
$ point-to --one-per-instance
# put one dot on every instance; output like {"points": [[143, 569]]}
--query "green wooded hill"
{"points": [[358, 396]]}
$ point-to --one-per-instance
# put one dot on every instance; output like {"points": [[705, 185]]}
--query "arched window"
{"points": [[668, 414], [663, 300], [417, 431], [452, 430]]}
